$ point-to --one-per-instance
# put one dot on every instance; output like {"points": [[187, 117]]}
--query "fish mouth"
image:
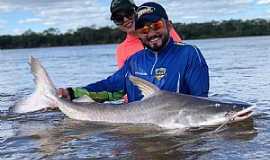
{"points": [[243, 114]]}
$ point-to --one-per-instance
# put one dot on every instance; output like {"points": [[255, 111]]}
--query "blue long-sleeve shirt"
{"points": [[177, 68]]}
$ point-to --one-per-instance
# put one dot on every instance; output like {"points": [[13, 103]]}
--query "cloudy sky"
{"points": [[16, 16]]}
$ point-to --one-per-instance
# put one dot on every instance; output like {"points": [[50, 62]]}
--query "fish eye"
{"points": [[229, 114]]}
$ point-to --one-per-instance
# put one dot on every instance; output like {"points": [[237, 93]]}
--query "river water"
{"points": [[239, 70]]}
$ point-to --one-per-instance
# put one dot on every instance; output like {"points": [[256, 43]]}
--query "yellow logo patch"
{"points": [[160, 73]]}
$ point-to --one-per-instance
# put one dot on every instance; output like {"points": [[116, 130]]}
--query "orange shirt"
{"points": [[132, 44]]}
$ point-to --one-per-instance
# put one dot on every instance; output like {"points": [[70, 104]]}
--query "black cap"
{"points": [[118, 5], [149, 12]]}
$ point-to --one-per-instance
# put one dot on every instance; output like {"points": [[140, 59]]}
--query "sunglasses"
{"points": [[118, 18], [154, 26]]}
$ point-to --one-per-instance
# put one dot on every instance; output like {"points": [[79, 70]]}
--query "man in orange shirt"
{"points": [[122, 14]]}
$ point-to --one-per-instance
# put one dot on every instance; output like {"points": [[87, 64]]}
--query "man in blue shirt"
{"points": [[175, 67]]}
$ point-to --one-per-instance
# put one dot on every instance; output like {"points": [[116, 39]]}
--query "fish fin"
{"points": [[44, 86], [42, 80], [147, 88]]}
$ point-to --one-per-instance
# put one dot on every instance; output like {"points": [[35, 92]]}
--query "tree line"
{"points": [[106, 35]]}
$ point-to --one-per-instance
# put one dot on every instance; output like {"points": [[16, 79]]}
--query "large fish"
{"points": [[162, 108]]}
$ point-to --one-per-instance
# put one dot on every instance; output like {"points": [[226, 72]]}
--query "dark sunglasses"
{"points": [[154, 26], [118, 18]]}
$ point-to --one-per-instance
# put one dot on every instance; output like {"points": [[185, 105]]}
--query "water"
{"points": [[239, 70]]}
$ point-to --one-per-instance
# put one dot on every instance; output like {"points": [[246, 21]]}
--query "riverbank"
{"points": [[52, 37]]}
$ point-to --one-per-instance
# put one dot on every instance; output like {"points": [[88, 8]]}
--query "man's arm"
{"points": [[110, 89], [96, 96], [197, 76]]}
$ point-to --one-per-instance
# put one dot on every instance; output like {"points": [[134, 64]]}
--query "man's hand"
{"points": [[63, 93]]}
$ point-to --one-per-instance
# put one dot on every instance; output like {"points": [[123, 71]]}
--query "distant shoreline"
{"points": [[108, 35], [116, 43]]}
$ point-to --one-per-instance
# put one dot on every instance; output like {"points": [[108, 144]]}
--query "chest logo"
{"points": [[160, 73]]}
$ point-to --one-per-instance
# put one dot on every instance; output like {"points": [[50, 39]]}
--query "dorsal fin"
{"points": [[146, 87]]}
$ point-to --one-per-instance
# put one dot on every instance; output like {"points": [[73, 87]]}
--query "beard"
{"points": [[156, 47]]}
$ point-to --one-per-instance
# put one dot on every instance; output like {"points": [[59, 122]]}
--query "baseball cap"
{"points": [[149, 12], [118, 5]]}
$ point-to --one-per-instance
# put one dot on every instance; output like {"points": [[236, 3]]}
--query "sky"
{"points": [[17, 16]]}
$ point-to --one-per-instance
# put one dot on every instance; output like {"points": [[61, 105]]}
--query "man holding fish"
{"points": [[168, 66], [171, 66]]}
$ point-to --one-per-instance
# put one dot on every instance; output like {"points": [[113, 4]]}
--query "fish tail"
{"points": [[44, 88]]}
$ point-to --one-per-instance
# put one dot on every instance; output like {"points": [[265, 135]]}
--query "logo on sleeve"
{"points": [[160, 73]]}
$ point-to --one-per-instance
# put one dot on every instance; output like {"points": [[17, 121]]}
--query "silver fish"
{"points": [[162, 108]]}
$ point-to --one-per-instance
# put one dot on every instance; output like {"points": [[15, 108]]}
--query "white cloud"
{"points": [[61, 14], [263, 2], [5, 8], [200, 11], [18, 31], [30, 20], [71, 14]]}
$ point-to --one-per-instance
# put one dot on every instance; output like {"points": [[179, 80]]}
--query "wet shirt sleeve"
{"points": [[197, 75], [113, 83]]}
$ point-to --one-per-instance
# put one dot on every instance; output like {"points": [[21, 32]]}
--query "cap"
{"points": [[118, 5], [149, 12]]}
